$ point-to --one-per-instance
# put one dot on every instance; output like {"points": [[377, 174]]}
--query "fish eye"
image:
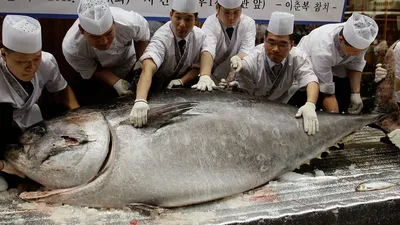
{"points": [[39, 130]]}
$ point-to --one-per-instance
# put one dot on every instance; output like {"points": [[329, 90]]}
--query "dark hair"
{"points": [[291, 36], [345, 41], [196, 15], [5, 48]]}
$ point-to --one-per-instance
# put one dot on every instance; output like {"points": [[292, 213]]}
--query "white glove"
{"points": [[175, 83], [205, 83], [8, 168], [137, 66], [394, 137], [122, 86], [380, 73], [234, 84], [356, 104], [310, 120], [222, 84], [138, 116], [236, 63]]}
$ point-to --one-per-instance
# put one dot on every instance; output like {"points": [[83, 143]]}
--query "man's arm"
{"points": [[206, 63], [140, 46], [9, 135], [106, 76], [67, 96], [6, 119], [191, 75], [312, 92], [144, 84], [355, 80]]}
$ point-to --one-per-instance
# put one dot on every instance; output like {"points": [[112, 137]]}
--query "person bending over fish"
{"points": [[173, 58], [337, 53], [105, 43], [25, 69], [277, 70]]}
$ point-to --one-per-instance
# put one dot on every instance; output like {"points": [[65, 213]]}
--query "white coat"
{"points": [[26, 111], [255, 77], [242, 41], [163, 49], [327, 58], [130, 27]]}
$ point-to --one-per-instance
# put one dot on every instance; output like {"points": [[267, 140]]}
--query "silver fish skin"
{"points": [[374, 186], [225, 144]]}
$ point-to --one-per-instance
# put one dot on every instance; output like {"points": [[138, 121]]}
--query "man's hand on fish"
{"points": [[356, 104], [205, 83], [222, 84], [380, 73], [175, 83], [236, 63], [394, 137], [122, 87], [8, 168], [310, 120], [138, 116]]}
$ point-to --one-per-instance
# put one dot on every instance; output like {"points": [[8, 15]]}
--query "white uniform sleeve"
{"points": [[322, 64], [207, 46], [249, 39], [211, 39], [83, 65], [155, 50], [304, 72], [248, 77], [56, 81], [141, 31], [358, 63], [397, 54]]}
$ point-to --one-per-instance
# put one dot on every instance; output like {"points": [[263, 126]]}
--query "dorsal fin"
{"points": [[160, 115]]}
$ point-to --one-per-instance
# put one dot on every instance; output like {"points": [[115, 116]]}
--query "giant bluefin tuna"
{"points": [[197, 147]]}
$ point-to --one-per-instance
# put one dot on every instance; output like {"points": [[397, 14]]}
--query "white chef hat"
{"points": [[360, 31], [281, 23], [95, 16], [22, 34], [185, 6], [230, 4]]}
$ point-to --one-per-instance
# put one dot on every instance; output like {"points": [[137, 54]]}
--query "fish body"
{"points": [[374, 186], [226, 143]]}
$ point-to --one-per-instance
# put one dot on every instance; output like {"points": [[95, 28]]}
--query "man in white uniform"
{"points": [[277, 70], [337, 54], [232, 36], [175, 56], [105, 42], [24, 71]]}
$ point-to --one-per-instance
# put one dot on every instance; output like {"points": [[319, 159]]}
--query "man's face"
{"points": [[22, 65], [277, 47], [183, 22], [228, 17], [101, 42], [348, 49]]}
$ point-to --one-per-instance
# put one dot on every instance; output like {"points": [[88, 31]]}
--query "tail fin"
{"points": [[385, 98]]}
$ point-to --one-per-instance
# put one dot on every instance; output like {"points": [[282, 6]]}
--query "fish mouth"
{"points": [[104, 172]]}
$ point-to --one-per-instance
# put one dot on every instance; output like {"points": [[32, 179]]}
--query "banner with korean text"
{"points": [[305, 11]]}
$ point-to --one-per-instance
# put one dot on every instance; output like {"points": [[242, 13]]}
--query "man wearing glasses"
{"points": [[277, 70]]}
